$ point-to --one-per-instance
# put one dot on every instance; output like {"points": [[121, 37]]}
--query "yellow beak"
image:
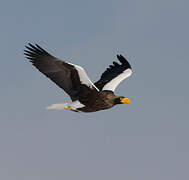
{"points": [[125, 100]]}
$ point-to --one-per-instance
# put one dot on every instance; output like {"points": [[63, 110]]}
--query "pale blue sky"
{"points": [[145, 140]]}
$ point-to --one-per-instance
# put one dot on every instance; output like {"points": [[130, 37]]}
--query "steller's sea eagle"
{"points": [[85, 96]]}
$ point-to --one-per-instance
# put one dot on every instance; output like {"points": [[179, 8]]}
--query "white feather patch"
{"points": [[115, 82], [83, 76], [74, 105], [57, 106]]}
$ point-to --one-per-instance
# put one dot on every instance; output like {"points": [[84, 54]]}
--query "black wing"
{"points": [[64, 74], [112, 72]]}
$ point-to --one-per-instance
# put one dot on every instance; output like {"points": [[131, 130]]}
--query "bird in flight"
{"points": [[85, 96]]}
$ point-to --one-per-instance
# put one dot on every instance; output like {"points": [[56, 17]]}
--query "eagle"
{"points": [[85, 95]]}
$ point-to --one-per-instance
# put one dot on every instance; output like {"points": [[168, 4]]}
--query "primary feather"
{"points": [[114, 74]]}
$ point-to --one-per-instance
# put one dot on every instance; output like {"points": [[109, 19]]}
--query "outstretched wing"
{"points": [[71, 78], [113, 75]]}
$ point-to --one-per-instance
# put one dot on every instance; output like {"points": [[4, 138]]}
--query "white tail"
{"points": [[57, 106]]}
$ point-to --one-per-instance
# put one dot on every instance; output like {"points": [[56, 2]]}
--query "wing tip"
{"points": [[123, 61], [33, 51]]}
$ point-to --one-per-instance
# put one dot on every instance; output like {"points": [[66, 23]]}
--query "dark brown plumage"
{"points": [[98, 101]]}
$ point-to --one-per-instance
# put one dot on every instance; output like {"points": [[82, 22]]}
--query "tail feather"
{"points": [[57, 106]]}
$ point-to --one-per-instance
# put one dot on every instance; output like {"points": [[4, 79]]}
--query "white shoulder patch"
{"points": [[115, 82], [83, 76]]}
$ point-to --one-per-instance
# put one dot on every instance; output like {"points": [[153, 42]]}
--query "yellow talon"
{"points": [[68, 108]]}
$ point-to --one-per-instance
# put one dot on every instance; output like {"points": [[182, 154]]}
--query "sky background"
{"points": [[145, 140]]}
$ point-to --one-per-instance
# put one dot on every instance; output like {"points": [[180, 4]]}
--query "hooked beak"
{"points": [[125, 100]]}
